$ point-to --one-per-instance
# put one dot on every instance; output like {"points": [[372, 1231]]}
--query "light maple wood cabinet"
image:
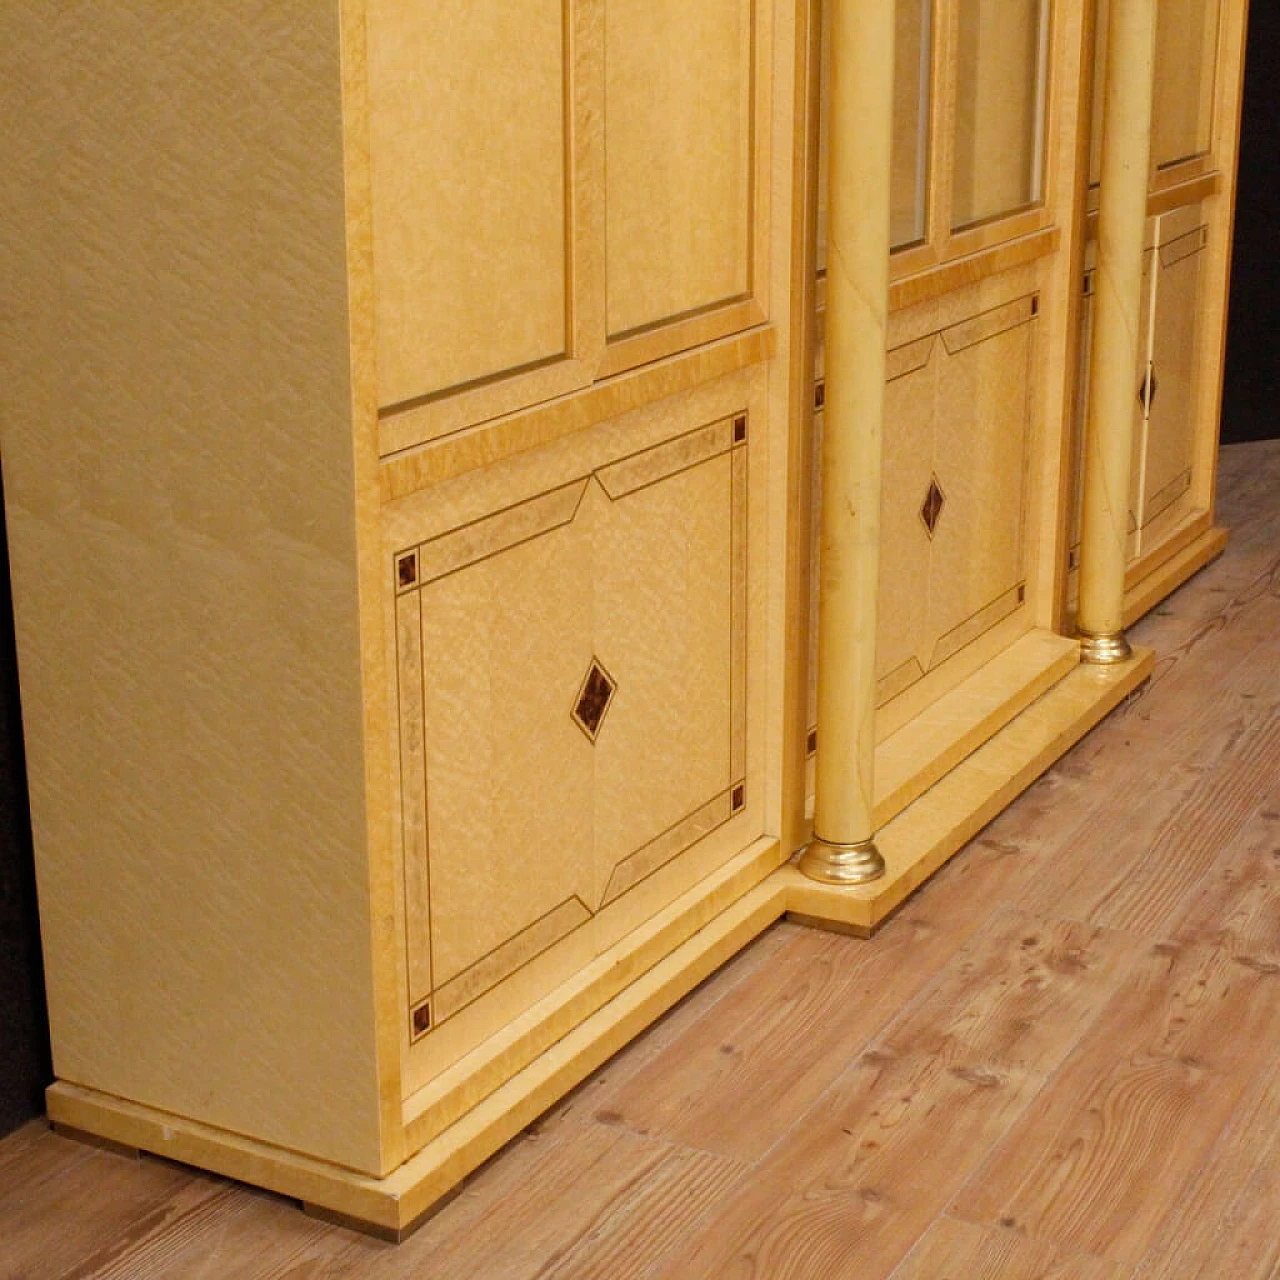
{"points": [[409, 435], [1178, 381]]}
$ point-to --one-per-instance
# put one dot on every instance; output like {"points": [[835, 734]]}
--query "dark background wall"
{"points": [[24, 1032], [1249, 405], [1249, 413]]}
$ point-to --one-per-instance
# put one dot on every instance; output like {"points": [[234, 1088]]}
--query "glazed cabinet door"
{"points": [[964, 464], [1001, 81]]}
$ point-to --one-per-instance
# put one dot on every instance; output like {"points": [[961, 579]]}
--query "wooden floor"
{"points": [[1060, 1060]]}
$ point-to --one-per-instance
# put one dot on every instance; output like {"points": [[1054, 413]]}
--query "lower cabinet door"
{"points": [[575, 633]]}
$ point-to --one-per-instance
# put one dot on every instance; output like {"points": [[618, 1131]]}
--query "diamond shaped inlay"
{"points": [[933, 502], [594, 699]]}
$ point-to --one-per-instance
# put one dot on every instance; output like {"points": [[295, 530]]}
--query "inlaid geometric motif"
{"points": [[933, 502], [617, 600], [593, 701]]}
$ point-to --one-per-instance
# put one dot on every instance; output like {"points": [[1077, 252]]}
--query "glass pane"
{"points": [[908, 175], [1186, 51], [1000, 99], [824, 133], [1099, 83], [909, 168]]}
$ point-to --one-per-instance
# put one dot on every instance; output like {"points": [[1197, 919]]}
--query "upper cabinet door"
{"points": [[1182, 106], [912, 112], [1186, 55], [971, 101], [912, 80]]}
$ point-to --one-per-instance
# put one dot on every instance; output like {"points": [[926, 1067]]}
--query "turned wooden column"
{"points": [[862, 31], [1122, 216]]}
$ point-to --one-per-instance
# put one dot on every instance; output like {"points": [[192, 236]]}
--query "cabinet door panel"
{"points": [[678, 155], [957, 431], [664, 611], [506, 643], [902, 653], [902, 647], [1186, 55], [571, 658], [470, 169], [982, 426], [1081, 407], [1175, 352]]}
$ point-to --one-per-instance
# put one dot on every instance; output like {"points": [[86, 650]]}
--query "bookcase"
{"points": [[411, 440]]}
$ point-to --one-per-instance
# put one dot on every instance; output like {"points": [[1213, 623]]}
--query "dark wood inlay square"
{"points": [[422, 1020]]}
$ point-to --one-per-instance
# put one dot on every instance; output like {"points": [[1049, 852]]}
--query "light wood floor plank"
{"points": [[780, 1040], [600, 1090], [1062, 832], [31, 1154], [1135, 805], [1154, 885], [954, 1250], [861, 1176], [558, 1207], [74, 1219], [1140, 1104], [1018, 995], [1237, 904], [1226, 1226]]}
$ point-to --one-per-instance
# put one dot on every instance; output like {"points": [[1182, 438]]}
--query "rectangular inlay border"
{"points": [[417, 566]]}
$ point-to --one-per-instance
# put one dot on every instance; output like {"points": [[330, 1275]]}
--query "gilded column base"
{"points": [[1105, 649], [844, 864]]}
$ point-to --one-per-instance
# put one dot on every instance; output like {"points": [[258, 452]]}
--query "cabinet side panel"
{"points": [[178, 468]]}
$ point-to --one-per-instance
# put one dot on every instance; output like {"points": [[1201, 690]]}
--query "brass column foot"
{"points": [[1105, 649], [844, 864]]}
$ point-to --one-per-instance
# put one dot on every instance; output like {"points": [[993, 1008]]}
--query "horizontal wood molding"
{"points": [[421, 468], [936, 281], [971, 270]]}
